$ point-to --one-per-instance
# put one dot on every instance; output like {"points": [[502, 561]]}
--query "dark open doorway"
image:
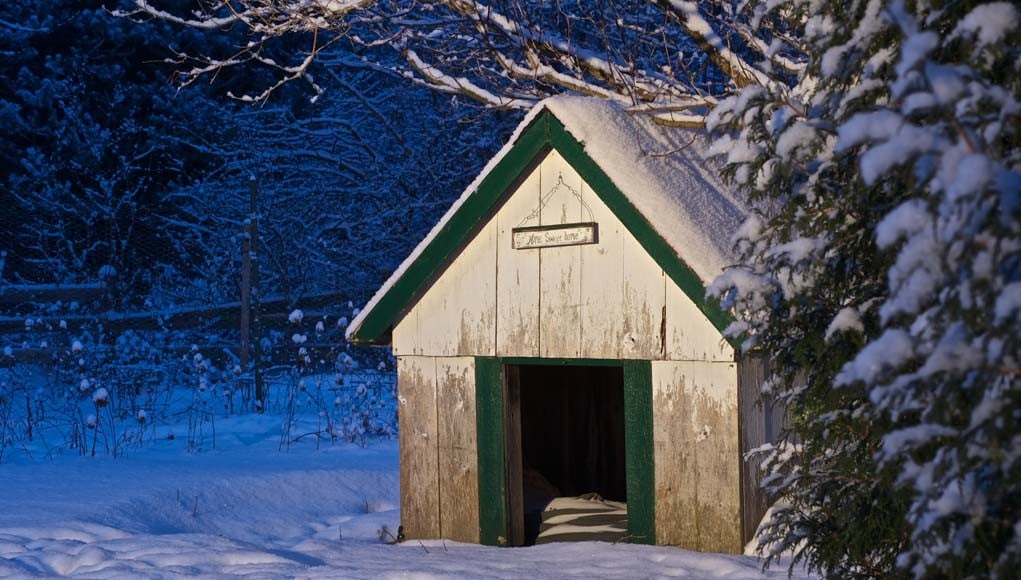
{"points": [[565, 438]]}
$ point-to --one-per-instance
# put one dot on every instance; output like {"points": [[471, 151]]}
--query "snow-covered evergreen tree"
{"points": [[882, 274]]}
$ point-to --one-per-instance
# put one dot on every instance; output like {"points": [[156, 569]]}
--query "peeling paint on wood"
{"points": [[458, 449], [644, 296], [697, 455], [457, 315], [689, 334], [404, 340], [602, 283], [420, 480], [605, 300], [560, 268], [609, 302], [517, 276], [676, 473]]}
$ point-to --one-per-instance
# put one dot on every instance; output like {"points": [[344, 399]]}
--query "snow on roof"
{"points": [[662, 171]]}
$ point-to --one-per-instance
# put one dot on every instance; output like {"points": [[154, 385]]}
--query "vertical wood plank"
{"points": [[477, 297], [420, 502], [754, 421], [517, 275], [458, 449], [602, 282], [457, 315], [404, 339], [690, 335], [515, 467], [644, 304], [560, 268], [675, 459], [719, 456], [697, 455]]}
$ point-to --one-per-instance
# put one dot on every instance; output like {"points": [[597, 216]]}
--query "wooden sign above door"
{"points": [[554, 236]]}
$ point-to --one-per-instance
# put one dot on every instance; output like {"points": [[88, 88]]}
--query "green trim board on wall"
{"points": [[493, 523], [640, 450], [545, 132], [530, 147], [490, 412]]}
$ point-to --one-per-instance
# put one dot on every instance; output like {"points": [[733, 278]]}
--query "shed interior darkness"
{"points": [[572, 435]]}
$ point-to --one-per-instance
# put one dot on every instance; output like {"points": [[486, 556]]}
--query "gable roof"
{"points": [[655, 179]]}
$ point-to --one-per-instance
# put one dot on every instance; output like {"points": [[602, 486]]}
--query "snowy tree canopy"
{"points": [[84, 153], [110, 173], [665, 57]]}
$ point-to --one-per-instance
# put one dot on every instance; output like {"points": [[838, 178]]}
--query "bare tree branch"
{"points": [[507, 53]]}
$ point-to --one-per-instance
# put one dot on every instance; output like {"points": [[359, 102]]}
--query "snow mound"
{"points": [[250, 511]]}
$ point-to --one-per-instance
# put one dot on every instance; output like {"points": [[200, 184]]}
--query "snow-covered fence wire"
{"points": [[225, 316], [92, 388], [15, 294]]}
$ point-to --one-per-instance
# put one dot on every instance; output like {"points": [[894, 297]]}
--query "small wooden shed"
{"points": [[553, 327]]}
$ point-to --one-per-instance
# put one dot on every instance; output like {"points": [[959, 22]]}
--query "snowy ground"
{"points": [[249, 510]]}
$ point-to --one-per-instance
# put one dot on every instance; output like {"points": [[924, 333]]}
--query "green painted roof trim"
{"points": [[544, 133], [455, 234]]}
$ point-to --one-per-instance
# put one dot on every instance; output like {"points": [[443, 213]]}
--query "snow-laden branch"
{"points": [[21, 28], [502, 54], [437, 79], [739, 70], [262, 17]]}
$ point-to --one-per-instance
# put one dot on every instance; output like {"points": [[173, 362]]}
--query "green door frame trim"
{"points": [[639, 461], [546, 132]]}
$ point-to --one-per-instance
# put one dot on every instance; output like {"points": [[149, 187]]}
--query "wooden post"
{"points": [[513, 451], [246, 296], [256, 330]]}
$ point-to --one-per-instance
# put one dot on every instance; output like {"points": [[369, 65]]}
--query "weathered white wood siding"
{"points": [[697, 455], [689, 334], [439, 448], [457, 316], [645, 288], [602, 282], [458, 449], [559, 268], [416, 408], [606, 300], [517, 275]]}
